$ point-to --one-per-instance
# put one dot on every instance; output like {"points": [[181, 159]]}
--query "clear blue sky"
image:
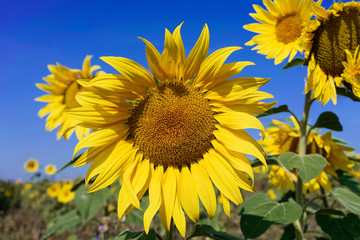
{"points": [[36, 33]]}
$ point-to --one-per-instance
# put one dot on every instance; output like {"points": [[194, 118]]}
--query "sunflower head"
{"points": [[283, 137], [54, 190], [338, 32], [283, 28], [62, 87], [65, 195], [175, 131], [50, 169], [31, 165]]}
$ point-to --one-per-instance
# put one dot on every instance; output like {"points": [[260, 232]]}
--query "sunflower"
{"points": [[351, 73], [50, 169], [31, 165], [283, 29], [62, 88], [338, 32], [173, 132], [283, 137], [54, 190], [65, 195]]}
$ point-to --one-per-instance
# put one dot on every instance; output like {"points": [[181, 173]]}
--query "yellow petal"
{"points": [[154, 196], [239, 120], [188, 195], [170, 58], [153, 57], [212, 64], [98, 115], [221, 177], [227, 71], [239, 141], [197, 54], [133, 71], [169, 190], [226, 205], [204, 188], [102, 137]]}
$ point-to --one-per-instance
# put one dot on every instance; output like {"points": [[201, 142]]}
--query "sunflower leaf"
{"points": [[346, 93], [307, 167], [293, 63], [346, 198], [271, 111], [259, 212], [328, 120], [347, 180], [62, 223], [270, 160], [208, 231], [127, 235], [89, 204], [345, 228]]}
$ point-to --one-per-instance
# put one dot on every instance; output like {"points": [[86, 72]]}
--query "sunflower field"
{"points": [[184, 143]]}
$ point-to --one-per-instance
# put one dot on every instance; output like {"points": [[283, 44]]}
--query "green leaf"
{"points": [[331, 212], [259, 212], [307, 167], [289, 232], [62, 223], [71, 162], [347, 180], [293, 63], [344, 228], [127, 235], [346, 93], [328, 120], [270, 160], [89, 204], [208, 231], [275, 110], [348, 199]]}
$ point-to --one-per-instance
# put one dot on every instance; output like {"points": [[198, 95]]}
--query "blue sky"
{"points": [[36, 33]]}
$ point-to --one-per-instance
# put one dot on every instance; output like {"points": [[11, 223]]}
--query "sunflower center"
{"points": [[288, 29], [173, 125], [333, 36]]}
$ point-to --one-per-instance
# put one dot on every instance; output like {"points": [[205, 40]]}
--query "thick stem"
{"points": [[302, 152]]}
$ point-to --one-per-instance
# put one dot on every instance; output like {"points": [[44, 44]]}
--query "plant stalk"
{"points": [[299, 226]]}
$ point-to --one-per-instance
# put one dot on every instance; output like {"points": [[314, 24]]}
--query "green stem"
{"points": [[326, 204], [169, 234], [299, 225]]}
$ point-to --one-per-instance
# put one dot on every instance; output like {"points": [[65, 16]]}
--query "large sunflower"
{"points": [[62, 88], [174, 132], [283, 137], [338, 32], [283, 29]]}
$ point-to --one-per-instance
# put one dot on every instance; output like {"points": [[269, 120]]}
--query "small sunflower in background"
{"points": [[64, 193], [53, 190], [335, 41], [283, 30], [283, 137], [50, 169], [31, 165], [175, 131], [62, 88]]}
